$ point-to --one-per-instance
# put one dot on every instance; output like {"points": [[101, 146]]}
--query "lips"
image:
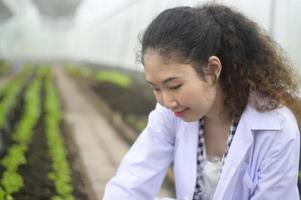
{"points": [[181, 113]]}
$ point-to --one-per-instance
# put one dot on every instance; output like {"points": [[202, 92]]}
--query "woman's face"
{"points": [[179, 87]]}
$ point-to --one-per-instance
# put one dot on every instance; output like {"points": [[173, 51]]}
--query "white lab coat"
{"points": [[262, 163]]}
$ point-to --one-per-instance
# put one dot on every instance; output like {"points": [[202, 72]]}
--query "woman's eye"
{"points": [[156, 89], [175, 87]]}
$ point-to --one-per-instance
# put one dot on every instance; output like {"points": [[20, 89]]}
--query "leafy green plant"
{"points": [[5, 67], [79, 71], [11, 181], [2, 194], [10, 93], [116, 78], [15, 157], [104, 76], [138, 123], [61, 171]]}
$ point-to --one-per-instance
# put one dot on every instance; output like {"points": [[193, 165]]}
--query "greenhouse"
{"points": [[83, 103]]}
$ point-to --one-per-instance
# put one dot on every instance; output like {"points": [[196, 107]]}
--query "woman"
{"points": [[224, 114]]}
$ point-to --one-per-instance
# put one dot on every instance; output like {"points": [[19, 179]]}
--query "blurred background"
{"points": [[106, 32], [72, 95]]}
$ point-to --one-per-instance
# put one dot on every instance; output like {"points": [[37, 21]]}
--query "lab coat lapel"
{"points": [[185, 160], [250, 120], [241, 142]]}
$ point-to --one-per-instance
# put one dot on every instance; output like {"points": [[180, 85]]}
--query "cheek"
{"points": [[198, 96], [207, 99], [185, 96], [210, 94], [158, 97]]}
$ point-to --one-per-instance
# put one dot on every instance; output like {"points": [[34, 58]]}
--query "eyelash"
{"points": [[156, 89], [171, 88], [175, 87]]}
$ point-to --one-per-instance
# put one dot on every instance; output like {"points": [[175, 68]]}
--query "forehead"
{"points": [[157, 67]]}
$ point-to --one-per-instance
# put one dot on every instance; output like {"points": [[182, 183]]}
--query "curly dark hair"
{"points": [[252, 63]]}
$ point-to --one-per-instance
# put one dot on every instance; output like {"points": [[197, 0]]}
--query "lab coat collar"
{"points": [[261, 120], [250, 120]]}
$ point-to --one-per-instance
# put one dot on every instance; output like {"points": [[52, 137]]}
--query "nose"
{"points": [[168, 100]]}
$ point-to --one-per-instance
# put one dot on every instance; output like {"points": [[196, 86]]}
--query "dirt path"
{"points": [[93, 135]]}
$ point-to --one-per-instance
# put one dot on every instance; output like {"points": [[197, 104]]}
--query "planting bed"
{"points": [[29, 169]]}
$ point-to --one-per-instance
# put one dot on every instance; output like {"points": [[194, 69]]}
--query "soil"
{"points": [[124, 100], [37, 186], [133, 103], [34, 173], [138, 99], [80, 189], [13, 116]]}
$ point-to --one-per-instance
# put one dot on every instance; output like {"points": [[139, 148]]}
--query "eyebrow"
{"points": [[164, 81]]}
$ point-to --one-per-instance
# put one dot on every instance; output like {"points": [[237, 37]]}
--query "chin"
{"points": [[190, 119]]}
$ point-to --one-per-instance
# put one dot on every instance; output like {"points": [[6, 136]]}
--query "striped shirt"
{"points": [[198, 193]]}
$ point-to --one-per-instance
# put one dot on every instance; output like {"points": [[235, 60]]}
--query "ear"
{"points": [[214, 67]]}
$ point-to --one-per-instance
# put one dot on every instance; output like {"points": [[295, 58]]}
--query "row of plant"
{"points": [[61, 171], [101, 75], [11, 94], [121, 84], [11, 181], [5, 67], [8, 82]]}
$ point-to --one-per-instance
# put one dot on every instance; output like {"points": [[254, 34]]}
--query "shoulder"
{"points": [[280, 120], [288, 123]]}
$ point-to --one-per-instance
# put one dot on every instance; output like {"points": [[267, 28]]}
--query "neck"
{"points": [[218, 114]]}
